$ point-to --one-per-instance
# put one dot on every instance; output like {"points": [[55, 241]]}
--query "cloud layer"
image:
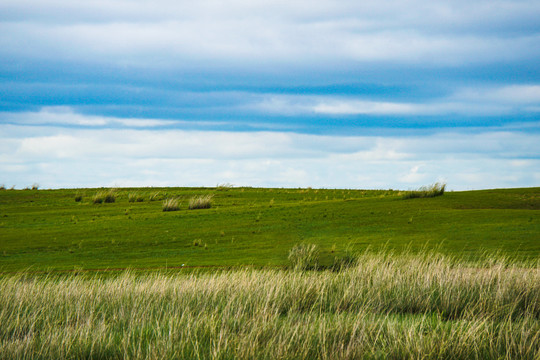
{"points": [[165, 32], [276, 93], [74, 157]]}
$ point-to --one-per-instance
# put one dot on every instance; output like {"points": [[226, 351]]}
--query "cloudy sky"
{"points": [[321, 93]]}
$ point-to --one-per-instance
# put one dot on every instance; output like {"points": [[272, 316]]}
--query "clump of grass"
{"points": [[346, 260], [135, 197], [224, 187], [78, 198], [98, 198], [201, 202], [171, 205], [108, 196], [436, 189], [155, 196], [35, 186], [304, 257], [2, 187]]}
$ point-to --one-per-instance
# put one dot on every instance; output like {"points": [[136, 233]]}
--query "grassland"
{"points": [[43, 230], [269, 273], [404, 306]]}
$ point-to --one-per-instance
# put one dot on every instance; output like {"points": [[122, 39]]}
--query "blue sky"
{"points": [[389, 94]]}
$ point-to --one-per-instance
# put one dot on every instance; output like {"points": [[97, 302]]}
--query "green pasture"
{"points": [[44, 230]]}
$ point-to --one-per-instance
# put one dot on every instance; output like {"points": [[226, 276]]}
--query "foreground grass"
{"points": [[406, 306]]}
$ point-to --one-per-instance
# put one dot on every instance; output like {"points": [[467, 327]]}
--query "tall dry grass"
{"points": [[201, 202], [107, 196], [172, 204], [427, 307], [433, 190]]}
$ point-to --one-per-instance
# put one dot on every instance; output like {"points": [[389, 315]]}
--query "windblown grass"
{"points": [[107, 196], [304, 257], [171, 205], [426, 306], [436, 189], [201, 202], [135, 197]]}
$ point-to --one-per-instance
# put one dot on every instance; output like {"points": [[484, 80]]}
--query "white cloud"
{"points": [[168, 33], [65, 115], [468, 101], [512, 94], [68, 157]]}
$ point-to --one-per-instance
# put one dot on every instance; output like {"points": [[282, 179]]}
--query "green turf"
{"points": [[48, 229]]}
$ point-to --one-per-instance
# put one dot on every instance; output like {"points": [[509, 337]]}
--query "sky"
{"points": [[320, 93]]}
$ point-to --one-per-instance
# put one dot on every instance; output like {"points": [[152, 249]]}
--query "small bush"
{"points": [[436, 189], [201, 202], [171, 205], [304, 257], [78, 198], [2, 187], [35, 186]]}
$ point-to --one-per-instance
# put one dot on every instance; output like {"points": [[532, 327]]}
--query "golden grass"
{"points": [[424, 306], [201, 202]]}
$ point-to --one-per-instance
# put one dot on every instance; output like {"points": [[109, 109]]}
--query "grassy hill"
{"points": [[50, 230]]}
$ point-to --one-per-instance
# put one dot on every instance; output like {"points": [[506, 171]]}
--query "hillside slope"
{"points": [[48, 229]]}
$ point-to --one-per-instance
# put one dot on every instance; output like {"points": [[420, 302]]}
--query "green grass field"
{"points": [[448, 277], [44, 230]]}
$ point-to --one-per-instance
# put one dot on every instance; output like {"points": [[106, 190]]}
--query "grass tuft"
{"points": [[224, 187], [304, 257], [108, 196], [155, 196], [436, 189], [171, 205], [201, 202], [135, 197]]}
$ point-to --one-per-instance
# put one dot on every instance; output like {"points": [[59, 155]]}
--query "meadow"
{"points": [[383, 306], [42, 230], [247, 273]]}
